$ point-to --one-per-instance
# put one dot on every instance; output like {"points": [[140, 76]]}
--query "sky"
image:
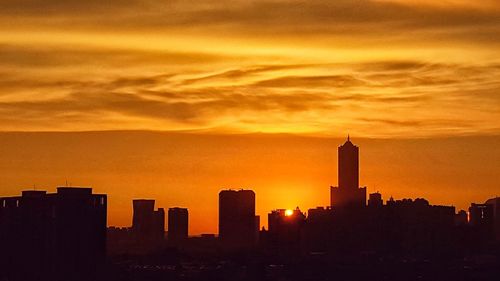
{"points": [[180, 169], [387, 71], [373, 68]]}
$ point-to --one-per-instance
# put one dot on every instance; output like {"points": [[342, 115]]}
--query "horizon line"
{"points": [[257, 133]]}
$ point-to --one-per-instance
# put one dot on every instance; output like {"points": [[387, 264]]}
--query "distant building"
{"points": [[481, 214], [177, 225], [145, 236], [257, 228], [59, 236], [202, 245], [285, 230], [481, 217], [495, 203], [148, 225], [120, 241], [461, 218], [419, 227], [348, 193], [318, 232], [375, 200], [237, 221]]}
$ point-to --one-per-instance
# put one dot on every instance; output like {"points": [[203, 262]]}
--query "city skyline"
{"points": [[252, 140], [179, 98], [203, 209], [68, 232]]}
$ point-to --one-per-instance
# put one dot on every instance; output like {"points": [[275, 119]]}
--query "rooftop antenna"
{"points": [[348, 137]]}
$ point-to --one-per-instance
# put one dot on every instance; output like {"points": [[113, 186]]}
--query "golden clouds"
{"points": [[375, 68]]}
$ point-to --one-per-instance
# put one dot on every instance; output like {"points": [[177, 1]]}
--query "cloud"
{"points": [[399, 122], [246, 72], [191, 110], [314, 66], [31, 56], [331, 81], [374, 20], [419, 95]]}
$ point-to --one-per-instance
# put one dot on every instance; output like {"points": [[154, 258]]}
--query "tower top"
{"points": [[348, 141]]}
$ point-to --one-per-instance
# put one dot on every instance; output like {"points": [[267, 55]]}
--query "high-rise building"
{"points": [[148, 225], [285, 229], [375, 200], [59, 236], [348, 193], [481, 217], [237, 229], [495, 203], [177, 225]]}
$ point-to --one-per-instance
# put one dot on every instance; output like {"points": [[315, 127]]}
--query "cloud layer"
{"points": [[375, 68]]}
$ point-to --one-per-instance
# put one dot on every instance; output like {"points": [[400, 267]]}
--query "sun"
{"points": [[288, 212]]}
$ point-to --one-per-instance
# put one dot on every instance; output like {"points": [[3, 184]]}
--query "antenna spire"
{"points": [[348, 137]]}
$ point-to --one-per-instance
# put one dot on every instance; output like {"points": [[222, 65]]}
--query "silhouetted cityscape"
{"points": [[64, 236]]}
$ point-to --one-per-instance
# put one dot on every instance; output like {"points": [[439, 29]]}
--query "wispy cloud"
{"points": [[375, 67], [413, 95]]}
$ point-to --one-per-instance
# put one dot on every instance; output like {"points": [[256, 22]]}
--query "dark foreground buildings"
{"points": [[56, 237], [148, 224], [350, 226], [147, 234], [284, 231], [178, 219], [61, 237], [238, 226]]}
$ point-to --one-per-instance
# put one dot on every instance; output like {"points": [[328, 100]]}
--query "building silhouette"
{"points": [[348, 194], [461, 218], [375, 200], [62, 236], [351, 227], [285, 231], [481, 218], [495, 204], [148, 225], [237, 220], [178, 219], [59, 236], [145, 236]]}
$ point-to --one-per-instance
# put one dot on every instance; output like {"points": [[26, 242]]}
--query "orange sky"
{"points": [[285, 171], [385, 70], [373, 68]]}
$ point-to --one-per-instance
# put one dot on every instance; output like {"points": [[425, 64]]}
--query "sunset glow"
{"points": [[175, 100], [274, 66]]}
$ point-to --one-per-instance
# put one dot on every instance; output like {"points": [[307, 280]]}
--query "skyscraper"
{"points": [[237, 229], [375, 200], [348, 193], [177, 225], [148, 225], [59, 236], [495, 203], [284, 230]]}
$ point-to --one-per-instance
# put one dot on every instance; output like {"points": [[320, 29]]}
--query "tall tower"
{"points": [[348, 193], [348, 165]]}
